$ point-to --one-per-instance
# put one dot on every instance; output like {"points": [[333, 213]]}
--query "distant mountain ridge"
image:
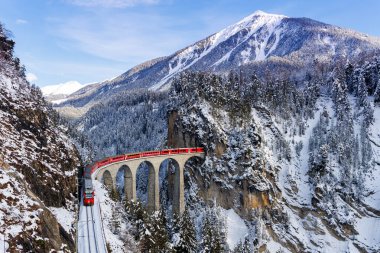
{"points": [[257, 39], [62, 88], [57, 93]]}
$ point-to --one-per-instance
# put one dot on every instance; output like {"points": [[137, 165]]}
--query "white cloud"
{"points": [[31, 77], [111, 3], [21, 21]]}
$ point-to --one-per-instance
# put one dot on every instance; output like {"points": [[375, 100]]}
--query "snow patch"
{"points": [[64, 217], [236, 228], [369, 231]]}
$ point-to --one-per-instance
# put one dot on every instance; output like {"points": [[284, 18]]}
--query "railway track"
{"points": [[94, 228], [91, 231]]}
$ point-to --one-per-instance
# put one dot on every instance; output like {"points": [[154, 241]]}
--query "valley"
{"points": [[262, 137]]}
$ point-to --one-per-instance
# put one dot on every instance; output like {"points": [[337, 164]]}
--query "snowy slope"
{"points": [[38, 164], [21, 155], [308, 227], [296, 203], [373, 199], [259, 20], [106, 207]]}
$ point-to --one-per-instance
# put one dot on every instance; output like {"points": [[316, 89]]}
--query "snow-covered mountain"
{"points": [[260, 42], [57, 93], [292, 151], [62, 88]]}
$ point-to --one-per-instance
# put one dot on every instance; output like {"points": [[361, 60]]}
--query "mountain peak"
{"points": [[263, 13], [284, 41], [256, 20], [259, 14]]}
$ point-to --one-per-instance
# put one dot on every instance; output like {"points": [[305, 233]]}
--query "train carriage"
{"points": [[88, 188], [88, 193]]}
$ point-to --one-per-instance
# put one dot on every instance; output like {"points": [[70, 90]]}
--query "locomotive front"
{"points": [[88, 189]]}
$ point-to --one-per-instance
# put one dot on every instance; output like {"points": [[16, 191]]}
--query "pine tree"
{"points": [[137, 215], [349, 71], [239, 247], [154, 237], [362, 91], [208, 244], [247, 245], [214, 232], [115, 221], [185, 236], [243, 246], [368, 112]]}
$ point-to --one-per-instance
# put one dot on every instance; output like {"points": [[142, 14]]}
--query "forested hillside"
{"points": [[286, 155], [130, 122], [303, 155]]}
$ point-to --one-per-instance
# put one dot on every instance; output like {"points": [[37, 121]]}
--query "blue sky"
{"points": [[94, 40]]}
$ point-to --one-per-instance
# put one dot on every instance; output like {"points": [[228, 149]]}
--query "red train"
{"points": [[88, 189], [119, 158], [88, 193]]}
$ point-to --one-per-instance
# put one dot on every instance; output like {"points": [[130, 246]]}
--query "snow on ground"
{"points": [[18, 212], [192, 54], [64, 217], [236, 228], [369, 231], [105, 206], [311, 231], [3, 243], [274, 247], [372, 182], [296, 171]]}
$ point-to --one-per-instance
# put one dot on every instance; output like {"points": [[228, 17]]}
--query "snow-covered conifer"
{"points": [[184, 237]]}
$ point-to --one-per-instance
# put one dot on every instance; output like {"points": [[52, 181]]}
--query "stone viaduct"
{"points": [[154, 159]]}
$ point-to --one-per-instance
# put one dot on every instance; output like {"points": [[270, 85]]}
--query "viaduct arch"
{"points": [[108, 174]]}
